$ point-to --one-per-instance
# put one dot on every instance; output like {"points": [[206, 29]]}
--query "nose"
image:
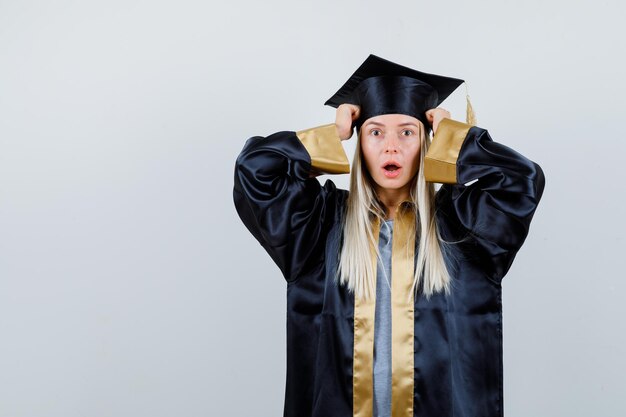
{"points": [[391, 144]]}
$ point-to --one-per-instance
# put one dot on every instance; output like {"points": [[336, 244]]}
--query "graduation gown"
{"points": [[447, 350]]}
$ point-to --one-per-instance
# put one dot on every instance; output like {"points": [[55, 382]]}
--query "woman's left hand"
{"points": [[434, 116]]}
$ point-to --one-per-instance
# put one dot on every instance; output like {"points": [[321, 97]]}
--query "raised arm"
{"points": [[495, 211], [282, 205]]}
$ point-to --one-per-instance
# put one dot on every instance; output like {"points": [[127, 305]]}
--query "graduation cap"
{"points": [[380, 86]]}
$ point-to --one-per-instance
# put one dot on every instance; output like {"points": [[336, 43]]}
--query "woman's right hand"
{"points": [[346, 114]]}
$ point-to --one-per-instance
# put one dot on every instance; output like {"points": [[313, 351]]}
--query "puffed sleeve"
{"points": [[279, 199], [494, 212]]}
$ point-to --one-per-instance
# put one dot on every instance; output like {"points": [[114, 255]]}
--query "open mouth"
{"points": [[391, 170]]}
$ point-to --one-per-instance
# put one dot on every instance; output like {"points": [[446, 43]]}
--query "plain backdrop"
{"points": [[128, 284]]}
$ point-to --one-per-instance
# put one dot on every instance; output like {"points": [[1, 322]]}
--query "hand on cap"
{"points": [[346, 114], [434, 116]]}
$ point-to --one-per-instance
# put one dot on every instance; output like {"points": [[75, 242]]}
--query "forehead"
{"points": [[390, 120]]}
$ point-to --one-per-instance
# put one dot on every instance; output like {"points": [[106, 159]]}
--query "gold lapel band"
{"points": [[402, 330], [402, 318], [363, 368]]}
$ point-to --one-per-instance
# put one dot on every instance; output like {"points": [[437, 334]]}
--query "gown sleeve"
{"points": [[493, 214], [279, 199]]}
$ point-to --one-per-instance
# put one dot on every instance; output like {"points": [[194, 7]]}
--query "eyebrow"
{"points": [[401, 124]]}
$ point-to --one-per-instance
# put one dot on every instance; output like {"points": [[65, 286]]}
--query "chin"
{"points": [[392, 185]]}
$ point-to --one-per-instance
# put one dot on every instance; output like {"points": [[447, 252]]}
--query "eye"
{"points": [[407, 132], [375, 132]]}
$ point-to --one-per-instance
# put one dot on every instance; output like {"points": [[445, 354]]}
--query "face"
{"points": [[391, 148]]}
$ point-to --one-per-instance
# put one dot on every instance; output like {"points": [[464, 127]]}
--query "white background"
{"points": [[129, 286]]}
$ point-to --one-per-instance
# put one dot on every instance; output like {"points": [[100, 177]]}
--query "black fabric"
{"points": [[458, 338], [394, 95], [380, 86]]}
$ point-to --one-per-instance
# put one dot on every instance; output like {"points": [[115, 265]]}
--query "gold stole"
{"points": [[402, 330]]}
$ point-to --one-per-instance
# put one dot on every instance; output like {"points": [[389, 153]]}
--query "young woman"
{"points": [[393, 290]]}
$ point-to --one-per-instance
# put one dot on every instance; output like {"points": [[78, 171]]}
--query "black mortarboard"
{"points": [[380, 86]]}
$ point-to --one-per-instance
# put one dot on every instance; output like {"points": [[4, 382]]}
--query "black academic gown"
{"points": [[457, 339]]}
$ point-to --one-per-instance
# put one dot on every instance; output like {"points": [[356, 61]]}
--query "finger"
{"points": [[340, 115], [343, 122], [356, 111], [352, 113]]}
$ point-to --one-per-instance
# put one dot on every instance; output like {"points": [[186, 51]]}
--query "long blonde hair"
{"points": [[356, 269]]}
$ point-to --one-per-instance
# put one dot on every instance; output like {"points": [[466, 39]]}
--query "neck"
{"points": [[392, 199]]}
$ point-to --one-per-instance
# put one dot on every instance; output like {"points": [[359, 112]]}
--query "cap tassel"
{"points": [[470, 116]]}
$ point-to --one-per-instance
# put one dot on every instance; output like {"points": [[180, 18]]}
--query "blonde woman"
{"points": [[393, 289]]}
